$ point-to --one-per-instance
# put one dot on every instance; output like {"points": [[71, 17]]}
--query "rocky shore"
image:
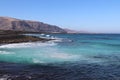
{"points": [[18, 37]]}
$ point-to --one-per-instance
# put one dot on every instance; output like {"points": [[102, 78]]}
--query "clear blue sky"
{"points": [[86, 15]]}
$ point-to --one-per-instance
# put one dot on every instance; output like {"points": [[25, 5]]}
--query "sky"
{"points": [[101, 16]]}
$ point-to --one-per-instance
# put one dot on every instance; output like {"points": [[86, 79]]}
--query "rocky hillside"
{"points": [[76, 32], [7, 23]]}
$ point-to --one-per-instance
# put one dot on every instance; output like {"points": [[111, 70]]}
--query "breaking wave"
{"points": [[29, 44]]}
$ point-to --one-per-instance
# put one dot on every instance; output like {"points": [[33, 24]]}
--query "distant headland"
{"points": [[12, 30], [8, 23]]}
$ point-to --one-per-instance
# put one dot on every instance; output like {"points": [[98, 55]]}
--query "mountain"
{"points": [[75, 31], [8, 23]]}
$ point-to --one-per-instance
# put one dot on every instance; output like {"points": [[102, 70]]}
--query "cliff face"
{"points": [[7, 23]]}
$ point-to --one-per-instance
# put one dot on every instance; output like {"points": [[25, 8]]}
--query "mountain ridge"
{"points": [[9, 23]]}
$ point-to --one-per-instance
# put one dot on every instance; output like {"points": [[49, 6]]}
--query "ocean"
{"points": [[70, 57]]}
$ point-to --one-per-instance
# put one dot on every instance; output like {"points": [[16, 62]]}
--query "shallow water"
{"points": [[71, 57]]}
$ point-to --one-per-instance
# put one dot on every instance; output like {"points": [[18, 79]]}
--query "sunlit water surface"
{"points": [[78, 56]]}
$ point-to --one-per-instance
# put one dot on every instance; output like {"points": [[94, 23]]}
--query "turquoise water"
{"points": [[70, 57], [68, 48]]}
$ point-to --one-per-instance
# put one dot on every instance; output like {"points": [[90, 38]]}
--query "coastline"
{"points": [[101, 65], [8, 37]]}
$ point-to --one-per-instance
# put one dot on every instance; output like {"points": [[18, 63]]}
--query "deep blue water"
{"points": [[70, 57]]}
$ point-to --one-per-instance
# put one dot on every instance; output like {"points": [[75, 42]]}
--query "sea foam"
{"points": [[63, 56], [5, 52], [29, 44]]}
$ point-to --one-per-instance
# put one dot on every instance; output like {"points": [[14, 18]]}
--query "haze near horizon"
{"points": [[101, 16]]}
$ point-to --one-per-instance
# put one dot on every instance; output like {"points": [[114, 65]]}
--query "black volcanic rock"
{"points": [[7, 23]]}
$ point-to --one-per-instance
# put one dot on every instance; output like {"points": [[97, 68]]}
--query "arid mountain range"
{"points": [[8, 23]]}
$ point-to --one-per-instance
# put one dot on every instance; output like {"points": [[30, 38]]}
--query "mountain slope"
{"points": [[7, 23], [75, 31]]}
